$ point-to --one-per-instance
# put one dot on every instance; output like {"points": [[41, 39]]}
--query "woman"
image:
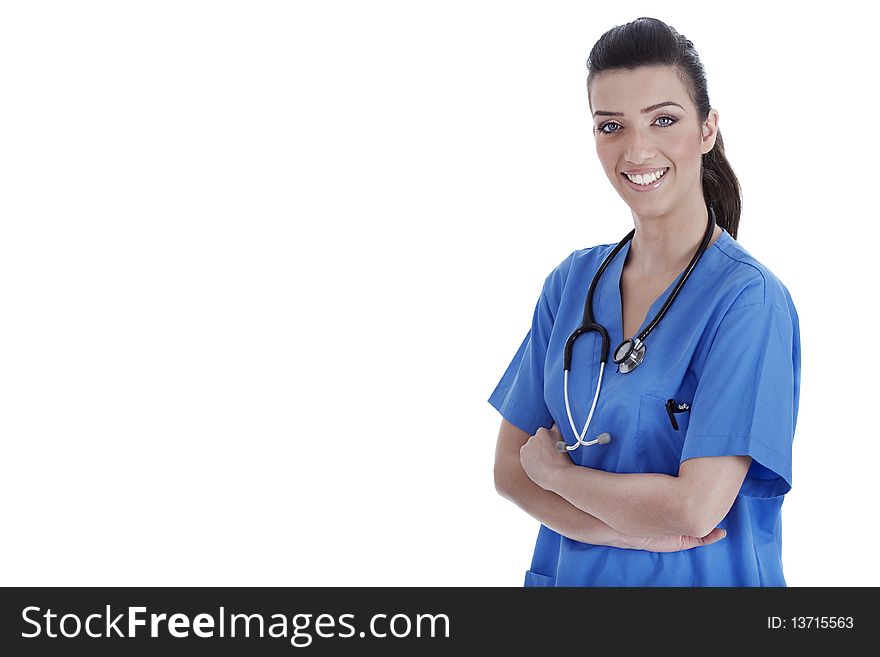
{"points": [[688, 491]]}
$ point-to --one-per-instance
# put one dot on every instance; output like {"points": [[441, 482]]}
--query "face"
{"points": [[666, 141]]}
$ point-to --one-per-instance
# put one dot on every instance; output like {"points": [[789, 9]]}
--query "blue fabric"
{"points": [[730, 347]]}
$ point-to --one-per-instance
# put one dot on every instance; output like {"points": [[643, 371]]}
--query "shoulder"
{"points": [[751, 310], [746, 281], [576, 265]]}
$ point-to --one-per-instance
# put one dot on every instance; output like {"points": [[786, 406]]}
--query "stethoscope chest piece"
{"points": [[629, 355]]}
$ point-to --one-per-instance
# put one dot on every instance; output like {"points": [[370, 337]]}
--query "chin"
{"points": [[647, 209]]}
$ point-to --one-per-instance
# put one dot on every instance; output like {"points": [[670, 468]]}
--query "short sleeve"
{"points": [[746, 399], [519, 395]]}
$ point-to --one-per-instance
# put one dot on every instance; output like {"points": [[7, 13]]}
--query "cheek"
{"points": [[680, 153], [684, 152], [608, 158]]}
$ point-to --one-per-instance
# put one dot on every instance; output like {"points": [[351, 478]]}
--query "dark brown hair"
{"points": [[651, 42]]}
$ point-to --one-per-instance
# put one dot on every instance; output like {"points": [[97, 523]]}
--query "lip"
{"points": [[642, 171], [644, 188]]}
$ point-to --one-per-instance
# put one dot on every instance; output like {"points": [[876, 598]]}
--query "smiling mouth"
{"points": [[646, 179]]}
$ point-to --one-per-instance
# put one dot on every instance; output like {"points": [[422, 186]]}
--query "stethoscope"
{"points": [[629, 353]]}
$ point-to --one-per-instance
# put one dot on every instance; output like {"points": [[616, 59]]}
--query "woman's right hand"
{"points": [[671, 543]]}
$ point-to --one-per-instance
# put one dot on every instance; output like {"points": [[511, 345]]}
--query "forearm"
{"points": [[648, 504], [555, 512]]}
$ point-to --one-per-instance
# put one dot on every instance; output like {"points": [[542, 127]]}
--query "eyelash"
{"points": [[600, 129]]}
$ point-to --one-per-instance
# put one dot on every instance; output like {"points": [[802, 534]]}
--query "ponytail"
{"points": [[721, 187]]}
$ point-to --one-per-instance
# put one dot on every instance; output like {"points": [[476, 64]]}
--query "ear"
{"points": [[709, 131]]}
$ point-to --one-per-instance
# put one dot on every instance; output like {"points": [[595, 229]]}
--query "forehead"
{"points": [[622, 90]]}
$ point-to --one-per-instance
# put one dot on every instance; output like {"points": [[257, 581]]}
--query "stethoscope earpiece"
{"points": [[630, 353], [601, 439]]}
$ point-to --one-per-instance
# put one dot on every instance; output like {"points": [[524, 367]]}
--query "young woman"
{"points": [[654, 444]]}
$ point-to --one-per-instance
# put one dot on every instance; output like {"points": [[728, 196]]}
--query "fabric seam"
{"points": [[741, 435]]}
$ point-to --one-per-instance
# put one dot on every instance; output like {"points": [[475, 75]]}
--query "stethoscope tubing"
{"points": [[687, 272], [589, 324], [580, 436]]}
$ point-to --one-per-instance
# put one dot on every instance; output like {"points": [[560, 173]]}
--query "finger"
{"points": [[714, 536]]}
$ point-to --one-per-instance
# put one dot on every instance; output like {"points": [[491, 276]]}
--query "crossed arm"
{"points": [[612, 506]]}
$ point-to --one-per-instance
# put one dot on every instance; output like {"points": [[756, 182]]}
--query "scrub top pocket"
{"points": [[534, 579], [659, 444]]}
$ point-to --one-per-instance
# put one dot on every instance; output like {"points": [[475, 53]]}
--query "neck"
{"points": [[664, 244]]}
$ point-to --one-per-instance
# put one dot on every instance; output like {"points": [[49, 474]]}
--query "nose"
{"points": [[638, 147]]}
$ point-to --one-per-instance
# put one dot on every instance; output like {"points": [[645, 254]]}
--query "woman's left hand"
{"points": [[540, 458]]}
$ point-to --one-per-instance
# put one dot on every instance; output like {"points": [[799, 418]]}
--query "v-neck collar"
{"points": [[610, 283]]}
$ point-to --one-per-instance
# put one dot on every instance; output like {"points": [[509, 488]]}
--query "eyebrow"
{"points": [[644, 111]]}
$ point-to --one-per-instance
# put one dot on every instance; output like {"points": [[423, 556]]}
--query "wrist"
{"points": [[554, 481]]}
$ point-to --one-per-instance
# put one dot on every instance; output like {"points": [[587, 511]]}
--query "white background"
{"points": [[262, 264]]}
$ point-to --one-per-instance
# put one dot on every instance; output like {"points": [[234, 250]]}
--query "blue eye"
{"points": [[601, 129]]}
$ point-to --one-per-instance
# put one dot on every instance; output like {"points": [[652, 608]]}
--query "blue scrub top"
{"points": [[729, 346]]}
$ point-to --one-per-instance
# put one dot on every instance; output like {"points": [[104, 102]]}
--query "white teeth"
{"points": [[648, 178]]}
